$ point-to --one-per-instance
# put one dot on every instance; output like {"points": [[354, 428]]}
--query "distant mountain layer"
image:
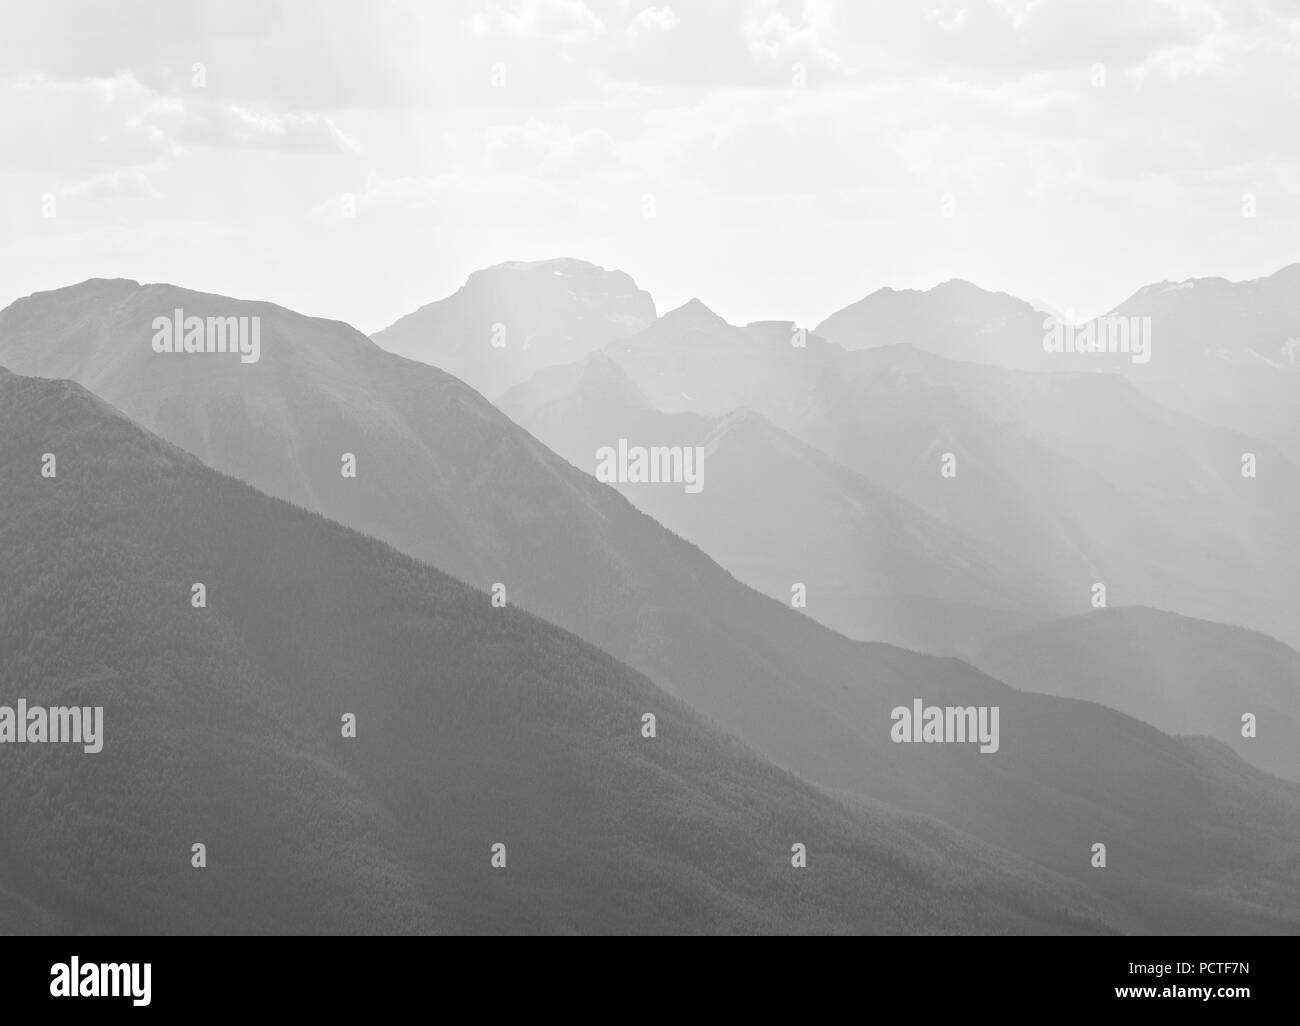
{"points": [[1205, 323], [955, 319], [1225, 352], [1182, 675], [508, 321], [474, 726], [783, 517], [1076, 479]]}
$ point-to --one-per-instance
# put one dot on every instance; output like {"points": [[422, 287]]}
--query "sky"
{"points": [[777, 159]]}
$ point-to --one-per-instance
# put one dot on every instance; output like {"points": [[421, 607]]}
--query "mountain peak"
{"points": [[558, 265], [954, 318], [91, 287], [693, 313], [511, 320], [555, 273], [960, 285]]}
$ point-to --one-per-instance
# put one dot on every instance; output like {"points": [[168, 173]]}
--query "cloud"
{"points": [[411, 192], [125, 183], [1006, 38], [294, 54], [562, 21], [653, 19], [75, 129], [606, 100], [100, 131], [546, 149], [773, 33], [199, 122]]}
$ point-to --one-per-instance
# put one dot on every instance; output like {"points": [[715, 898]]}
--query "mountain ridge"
{"points": [[474, 725], [1178, 673]]}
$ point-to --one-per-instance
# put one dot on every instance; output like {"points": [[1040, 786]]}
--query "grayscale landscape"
{"points": [[578, 467]]}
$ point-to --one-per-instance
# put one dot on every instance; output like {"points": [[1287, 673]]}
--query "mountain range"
{"points": [[1199, 839], [778, 514], [1224, 352], [474, 726], [1076, 479]]}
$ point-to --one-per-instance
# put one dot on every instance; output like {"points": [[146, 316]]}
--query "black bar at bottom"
{"points": [[611, 977]]}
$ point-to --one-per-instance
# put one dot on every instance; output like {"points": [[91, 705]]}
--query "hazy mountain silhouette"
{"points": [[955, 319], [475, 725], [447, 477], [1226, 352], [1209, 322], [1182, 675], [1078, 478], [775, 511], [539, 313]]}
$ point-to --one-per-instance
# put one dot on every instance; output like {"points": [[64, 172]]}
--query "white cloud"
{"points": [[547, 149], [411, 192], [563, 21], [654, 19], [771, 33], [199, 122], [72, 129], [125, 183]]}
